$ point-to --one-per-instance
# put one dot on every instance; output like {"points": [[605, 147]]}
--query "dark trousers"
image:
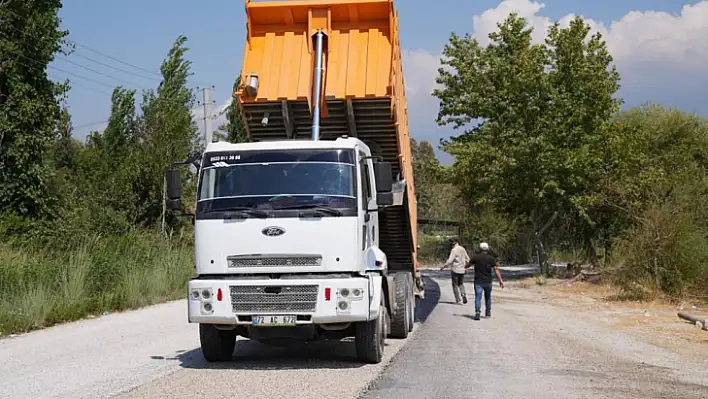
{"points": [[458, 286], [485, 288]]}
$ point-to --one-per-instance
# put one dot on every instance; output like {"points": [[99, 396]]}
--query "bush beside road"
{"points": [[42, 287]]}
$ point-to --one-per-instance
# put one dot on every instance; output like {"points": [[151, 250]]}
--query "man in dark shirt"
{"points": [[484, 263]]}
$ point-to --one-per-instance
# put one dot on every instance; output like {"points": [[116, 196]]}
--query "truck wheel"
{"points": [[399, 317], [217, 345], [369, 337]]}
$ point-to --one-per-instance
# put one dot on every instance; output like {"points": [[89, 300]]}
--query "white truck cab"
{"points": [[287, 245]]}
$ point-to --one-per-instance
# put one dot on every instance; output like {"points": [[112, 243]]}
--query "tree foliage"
{"points": [[234, 129], [113, 183], [543, 112], [546, 160], [29, 39], [66, 148], [79, 220], [169, 132]]}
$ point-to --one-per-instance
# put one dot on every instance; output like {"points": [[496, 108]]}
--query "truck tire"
{"points": [[370, 337], [400, 316], [217, 345]]}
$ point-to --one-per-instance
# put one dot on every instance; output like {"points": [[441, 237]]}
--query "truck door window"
{"points": [[365, 184]]}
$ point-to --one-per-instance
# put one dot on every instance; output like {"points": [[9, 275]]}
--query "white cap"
{"points": [[484, 246]]}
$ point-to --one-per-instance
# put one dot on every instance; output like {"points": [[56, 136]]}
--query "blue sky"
{"points": [[659, 45]]}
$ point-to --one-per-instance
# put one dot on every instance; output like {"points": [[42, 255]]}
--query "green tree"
{"points": [[108, 169], [583, 83], [658, 194], [29, 105], [234, 128], [436, 197], [544, 112], [168, 133], [66, 148], [121, 130], [504, 85], [424, 171]]}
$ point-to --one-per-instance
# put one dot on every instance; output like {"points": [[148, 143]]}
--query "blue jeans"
{"points": [[487, 289]]}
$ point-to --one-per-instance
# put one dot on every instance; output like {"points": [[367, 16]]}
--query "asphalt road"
{"points": [[527, 350]]}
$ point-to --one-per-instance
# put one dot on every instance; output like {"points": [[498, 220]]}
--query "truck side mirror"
{"points": [[174, 189], [384, 177]]}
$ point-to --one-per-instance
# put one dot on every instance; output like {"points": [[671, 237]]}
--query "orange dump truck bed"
{"points": [[362, 89]]}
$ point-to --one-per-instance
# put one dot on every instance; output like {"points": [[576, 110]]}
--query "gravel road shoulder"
{"points": [[95, 358]]}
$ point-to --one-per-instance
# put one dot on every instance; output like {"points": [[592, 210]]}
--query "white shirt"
{"points": [[458, 259]]}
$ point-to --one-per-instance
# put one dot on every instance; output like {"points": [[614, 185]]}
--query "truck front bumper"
{"points": [[311, 301]]}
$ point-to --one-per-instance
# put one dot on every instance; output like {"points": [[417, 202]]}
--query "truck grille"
{"points": [[265, 298], [274, 260]]}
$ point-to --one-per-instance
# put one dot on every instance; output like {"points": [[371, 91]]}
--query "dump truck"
{"points": [[308, 230]]}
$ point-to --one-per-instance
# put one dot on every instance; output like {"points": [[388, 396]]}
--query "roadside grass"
{"points": [[44, 286]]}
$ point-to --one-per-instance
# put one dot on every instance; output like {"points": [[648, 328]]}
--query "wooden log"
{"points": [[703, 323]]}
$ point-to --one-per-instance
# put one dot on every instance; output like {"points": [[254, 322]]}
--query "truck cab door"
{"points": [[367, 202]]}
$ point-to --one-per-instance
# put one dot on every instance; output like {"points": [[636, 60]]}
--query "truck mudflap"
{"points": [[419, 287], [419, 284], [284, 302]]}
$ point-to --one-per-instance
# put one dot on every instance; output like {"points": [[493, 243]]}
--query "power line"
{"points": [[117, 60], [81, 77], [77, 84], [41, 64], [113, 58], [158, 76], [100, 73], [171, 101], [83, 125], [116, 68], [75, 63], [86, 47]]}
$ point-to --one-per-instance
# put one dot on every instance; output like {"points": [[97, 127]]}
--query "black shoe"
{"points": [[464, 299], [488, 314], [476, 316]]}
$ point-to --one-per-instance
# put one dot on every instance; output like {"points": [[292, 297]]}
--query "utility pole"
{"points": [[207, 115]]}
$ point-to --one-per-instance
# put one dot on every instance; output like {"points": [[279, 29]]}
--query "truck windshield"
{"points": [[274, 180]]}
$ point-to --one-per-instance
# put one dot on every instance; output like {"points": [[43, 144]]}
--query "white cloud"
{"points": [[420, 69], [658, 37], [661, 57], [486, 23], [637, 38]]}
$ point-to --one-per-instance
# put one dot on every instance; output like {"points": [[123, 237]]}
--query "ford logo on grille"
{"points": [[273, 231]]}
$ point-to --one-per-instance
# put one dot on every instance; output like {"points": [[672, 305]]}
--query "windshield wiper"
{"points": [[243, 211], [315, 207]]}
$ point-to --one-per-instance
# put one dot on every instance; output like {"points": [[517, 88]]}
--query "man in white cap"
{"points": [[458, 262], [484, 263]]}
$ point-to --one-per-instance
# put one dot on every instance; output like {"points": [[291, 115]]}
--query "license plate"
{"points": [[274, 320]]}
